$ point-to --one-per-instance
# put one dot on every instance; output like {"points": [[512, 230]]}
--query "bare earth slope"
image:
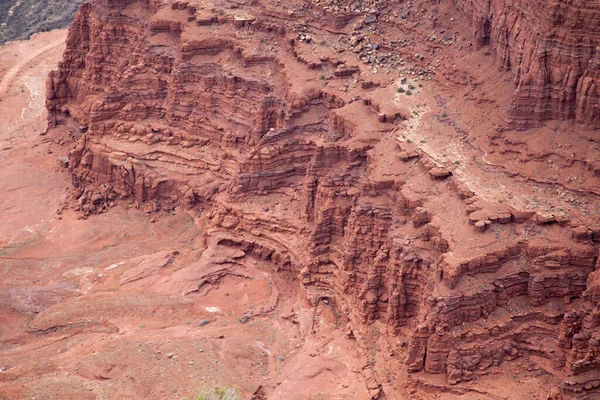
{"points": [[403, 197], [19, 19]]}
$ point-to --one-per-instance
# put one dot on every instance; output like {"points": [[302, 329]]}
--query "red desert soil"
{"points": [[306, 200], [111, 307]]}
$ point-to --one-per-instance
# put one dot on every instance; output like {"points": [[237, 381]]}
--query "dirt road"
{"points": [[9, 77]]}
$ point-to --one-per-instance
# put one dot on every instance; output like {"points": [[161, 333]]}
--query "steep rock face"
{"points": [[552, 49], [298, 151]]}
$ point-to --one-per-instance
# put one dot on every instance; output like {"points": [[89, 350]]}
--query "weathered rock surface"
{"points": [[281, 127], [552, 49]]}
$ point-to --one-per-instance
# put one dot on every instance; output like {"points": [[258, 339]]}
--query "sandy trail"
{"points": [[12, 73]]}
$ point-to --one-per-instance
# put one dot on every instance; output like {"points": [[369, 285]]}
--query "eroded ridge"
{"points": [[369, 150]]}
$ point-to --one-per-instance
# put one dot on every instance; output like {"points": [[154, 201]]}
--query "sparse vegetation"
{"points": [[409, 141], [217, 392], [411, 87], [444, 115], [408, 93], [21, 19]]}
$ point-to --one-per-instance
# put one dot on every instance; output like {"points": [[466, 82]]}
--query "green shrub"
{"points": [[401, 90], [408, 93], [411, 87]]}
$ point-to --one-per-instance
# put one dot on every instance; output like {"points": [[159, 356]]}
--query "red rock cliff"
{"points": [[288, 129], [553, 49]]}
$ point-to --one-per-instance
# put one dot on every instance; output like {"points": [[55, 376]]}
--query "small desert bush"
{"points": [[217, 392]]}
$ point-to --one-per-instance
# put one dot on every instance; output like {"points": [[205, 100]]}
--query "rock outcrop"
{"points": [[552, 50], [262, 119]]}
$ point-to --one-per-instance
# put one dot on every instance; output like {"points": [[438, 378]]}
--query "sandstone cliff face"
{"points": [[263, 120], [552, 49]]}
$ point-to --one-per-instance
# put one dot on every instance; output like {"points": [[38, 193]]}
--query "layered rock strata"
{"points": [[260, 118], [552, 50]]}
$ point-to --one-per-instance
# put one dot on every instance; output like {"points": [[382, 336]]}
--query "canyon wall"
{"points": [[263, 119], [552, 48]]}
